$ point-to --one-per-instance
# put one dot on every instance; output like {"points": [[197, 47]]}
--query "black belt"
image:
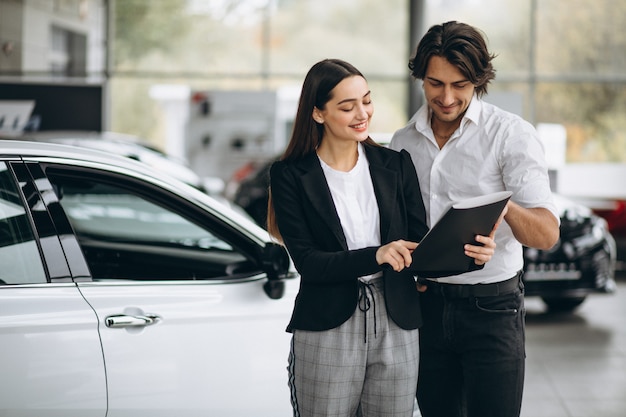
{"points": [[476, 290]]}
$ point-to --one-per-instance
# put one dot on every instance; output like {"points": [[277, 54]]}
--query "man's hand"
{"points": [[481, 254]]}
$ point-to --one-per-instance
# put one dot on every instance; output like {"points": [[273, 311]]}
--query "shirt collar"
{"points": [[421, 119], [473, 110]]}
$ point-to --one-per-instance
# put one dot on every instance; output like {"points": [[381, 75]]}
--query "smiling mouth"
{"points": [[360, 126], [447, 108]]}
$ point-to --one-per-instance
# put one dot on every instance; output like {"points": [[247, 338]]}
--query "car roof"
{"points": [[45, 135], [117, 143], [37, 149], [117, 163]]}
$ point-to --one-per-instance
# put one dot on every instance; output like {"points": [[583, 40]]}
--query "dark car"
{"points": [[615, 216], [249, 189], [581, 263]]}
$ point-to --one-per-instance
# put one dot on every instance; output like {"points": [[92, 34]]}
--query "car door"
{"points": [[51, 361], [186, 326]]}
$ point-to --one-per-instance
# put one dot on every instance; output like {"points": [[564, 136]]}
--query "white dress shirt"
{"points": [[356, 205], [492, 150]]}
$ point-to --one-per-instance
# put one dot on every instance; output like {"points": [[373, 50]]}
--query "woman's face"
{"points": [[347, 114]]}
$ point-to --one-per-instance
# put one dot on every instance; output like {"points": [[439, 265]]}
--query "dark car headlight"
{"points": [[579, 235], [593, 236]]}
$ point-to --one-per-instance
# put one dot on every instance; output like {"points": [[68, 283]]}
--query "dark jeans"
{"points": [[471, 355]]}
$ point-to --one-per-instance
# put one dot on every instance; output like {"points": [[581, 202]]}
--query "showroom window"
{"points": [[68, 52]]}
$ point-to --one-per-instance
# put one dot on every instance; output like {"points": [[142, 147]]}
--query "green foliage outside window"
{"points": [[563, 57]]}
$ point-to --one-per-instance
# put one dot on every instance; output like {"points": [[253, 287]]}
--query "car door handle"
{"points": [[125, 320]]}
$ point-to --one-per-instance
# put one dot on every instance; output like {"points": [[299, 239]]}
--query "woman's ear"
{"points": [[317, 116]]}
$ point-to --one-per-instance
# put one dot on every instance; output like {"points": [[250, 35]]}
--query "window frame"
{"points": [[171, 201]]}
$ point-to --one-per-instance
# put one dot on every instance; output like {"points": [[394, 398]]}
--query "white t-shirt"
{"points": [[492, 150], [356, 205]]}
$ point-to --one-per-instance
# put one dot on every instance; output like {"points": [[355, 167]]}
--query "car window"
{"points": [[19, 253], [126, 235]]}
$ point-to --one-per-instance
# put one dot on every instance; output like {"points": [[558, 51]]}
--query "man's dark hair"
{"points": [[463, 46]]}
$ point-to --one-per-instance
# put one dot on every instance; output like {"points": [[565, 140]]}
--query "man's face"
{"points": [[448, 92]]}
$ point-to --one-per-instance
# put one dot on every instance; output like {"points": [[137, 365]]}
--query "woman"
{"points": [[344, 207]]}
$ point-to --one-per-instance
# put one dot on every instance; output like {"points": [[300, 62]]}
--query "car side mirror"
{"points": [[275, 265]]}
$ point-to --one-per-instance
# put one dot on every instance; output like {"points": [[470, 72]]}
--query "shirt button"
{"points": [[433, 196]]}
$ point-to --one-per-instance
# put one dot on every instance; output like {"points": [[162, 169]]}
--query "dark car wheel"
{"points": [[563, 304]]}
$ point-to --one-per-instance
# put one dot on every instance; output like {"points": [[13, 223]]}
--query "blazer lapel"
{"points": [[384, 181], [316, 189]]}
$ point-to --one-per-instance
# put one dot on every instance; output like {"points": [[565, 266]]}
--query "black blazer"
{"points": [[312, 232]]}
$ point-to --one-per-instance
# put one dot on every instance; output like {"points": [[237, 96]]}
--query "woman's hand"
{"points": [[481, 254], [397, 254]]}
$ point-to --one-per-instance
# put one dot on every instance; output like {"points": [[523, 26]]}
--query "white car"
{"points": [[125, 292], [129, 146]]}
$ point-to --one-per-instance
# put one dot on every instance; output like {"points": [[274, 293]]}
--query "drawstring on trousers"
{"points": [[365, 304]]}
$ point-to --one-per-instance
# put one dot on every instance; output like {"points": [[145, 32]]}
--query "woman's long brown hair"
{"points": [[306, 136]]}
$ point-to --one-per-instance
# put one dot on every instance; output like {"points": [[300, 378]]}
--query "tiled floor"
{"points": [[576, 363]]}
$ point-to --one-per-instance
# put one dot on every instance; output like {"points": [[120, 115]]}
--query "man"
{"points": [[472, 342]]}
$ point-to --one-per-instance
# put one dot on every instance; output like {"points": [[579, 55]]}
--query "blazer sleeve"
{"points": [[317, 254], [416, 212]]}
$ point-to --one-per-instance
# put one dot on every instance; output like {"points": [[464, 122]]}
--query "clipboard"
{"points": [[440, 253]]}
